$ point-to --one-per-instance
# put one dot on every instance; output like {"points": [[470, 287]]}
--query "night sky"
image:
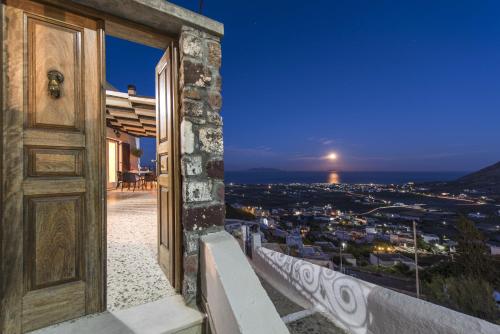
{"points": [[387, 85]]}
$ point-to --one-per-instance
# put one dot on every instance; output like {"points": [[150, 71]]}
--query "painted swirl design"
{"points": [[341, 296]]}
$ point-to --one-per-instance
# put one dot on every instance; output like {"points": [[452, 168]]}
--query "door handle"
{"points": [[56, 78]]}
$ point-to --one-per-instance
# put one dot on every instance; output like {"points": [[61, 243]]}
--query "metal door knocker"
{"points": [[56, 78]]}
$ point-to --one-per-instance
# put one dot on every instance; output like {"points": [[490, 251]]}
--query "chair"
{"points": [[130, 178], [119, 178], [150, 178]]}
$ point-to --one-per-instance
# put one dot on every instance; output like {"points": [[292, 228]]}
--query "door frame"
{"points": [[12, 149]]}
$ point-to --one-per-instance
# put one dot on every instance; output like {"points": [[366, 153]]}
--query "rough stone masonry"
{"points": [[201, 148]]}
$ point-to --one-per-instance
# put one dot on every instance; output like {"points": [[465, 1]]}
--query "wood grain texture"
{"points": [[138, 34], [54, 304], [12, 172], [163, 149], [176, 172], [54, 46], [168, 166], [95, 164], [55, 12], [162, 106], [34, 186], [164, 228], [37, 137], [45, 236], [115, 26], [54, 162], [53, 240], [102, 155]]}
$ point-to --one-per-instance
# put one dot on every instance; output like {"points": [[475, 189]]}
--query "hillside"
{"points": [[486, 181], [489, 176]]}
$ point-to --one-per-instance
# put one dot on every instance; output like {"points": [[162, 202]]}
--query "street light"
{"points": [[342, 245]]}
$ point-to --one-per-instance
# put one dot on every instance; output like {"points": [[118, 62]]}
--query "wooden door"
{"points": [[167, 146], [54, 167]]}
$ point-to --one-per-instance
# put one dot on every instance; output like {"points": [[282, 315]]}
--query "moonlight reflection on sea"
{"points": [[333, 178]]}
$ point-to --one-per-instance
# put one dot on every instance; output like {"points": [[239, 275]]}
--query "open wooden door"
{"points": [[53, 170], [167, 147]]}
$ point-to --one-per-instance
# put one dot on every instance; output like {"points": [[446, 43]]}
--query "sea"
{"points": [[336, 177]]}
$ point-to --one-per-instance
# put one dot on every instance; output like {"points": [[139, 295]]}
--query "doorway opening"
{"points": [[134, 276]]}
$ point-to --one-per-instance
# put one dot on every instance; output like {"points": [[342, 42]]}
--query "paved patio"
{"points": [[298, 320], [134, 276]]}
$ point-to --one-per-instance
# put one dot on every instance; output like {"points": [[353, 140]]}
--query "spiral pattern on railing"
{"points": [[340, 295]]}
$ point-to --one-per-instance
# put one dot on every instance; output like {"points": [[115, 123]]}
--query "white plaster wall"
{"points": [[360, 307], [237, 302], [124, 137]]}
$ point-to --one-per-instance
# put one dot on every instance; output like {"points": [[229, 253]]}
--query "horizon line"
{"points": [[353, 171]]}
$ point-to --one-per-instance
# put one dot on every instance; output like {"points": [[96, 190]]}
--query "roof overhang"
{"points": [[132, 114], [162, 16]]}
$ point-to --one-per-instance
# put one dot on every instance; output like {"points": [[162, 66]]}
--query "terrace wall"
{"points": [[357, 306]]}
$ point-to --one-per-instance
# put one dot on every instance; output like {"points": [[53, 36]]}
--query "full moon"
{"points": [[332, 156]]}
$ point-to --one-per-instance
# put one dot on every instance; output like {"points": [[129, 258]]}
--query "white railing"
{"points": [[357, 306], [235, 301]]}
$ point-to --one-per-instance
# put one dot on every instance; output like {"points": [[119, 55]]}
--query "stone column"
{"points": [[202, 148]]}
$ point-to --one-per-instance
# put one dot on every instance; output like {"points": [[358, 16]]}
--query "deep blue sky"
{"points": [[388, 85]]}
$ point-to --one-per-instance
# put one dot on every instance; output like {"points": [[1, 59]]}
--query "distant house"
{"points": [[312, 252], [326, 246], [278, 233], [430, 238], [496, 297], [349, 258], [294, 241], [476, 215], [233, 225], [494, 247], [401, 239], [343, 235], [389, 260]]}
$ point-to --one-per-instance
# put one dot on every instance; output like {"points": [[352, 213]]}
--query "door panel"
{"points": [[59, 275], [54, 47], [169, 231], [53, 235]]}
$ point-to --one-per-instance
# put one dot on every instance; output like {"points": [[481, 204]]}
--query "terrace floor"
{"points": [[298, 320], [134, 276]]}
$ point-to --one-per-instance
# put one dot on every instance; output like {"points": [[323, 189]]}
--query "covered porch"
{"points": [[129, 118]]}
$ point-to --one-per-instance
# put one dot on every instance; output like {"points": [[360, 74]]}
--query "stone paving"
{"points": [[134, 276], [311, 324]]}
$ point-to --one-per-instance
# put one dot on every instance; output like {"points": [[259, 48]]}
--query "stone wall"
{"points": [[202, 148]]}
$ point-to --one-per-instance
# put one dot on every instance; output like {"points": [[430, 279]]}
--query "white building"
{"points": [[430, 238], [389, 260]]}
